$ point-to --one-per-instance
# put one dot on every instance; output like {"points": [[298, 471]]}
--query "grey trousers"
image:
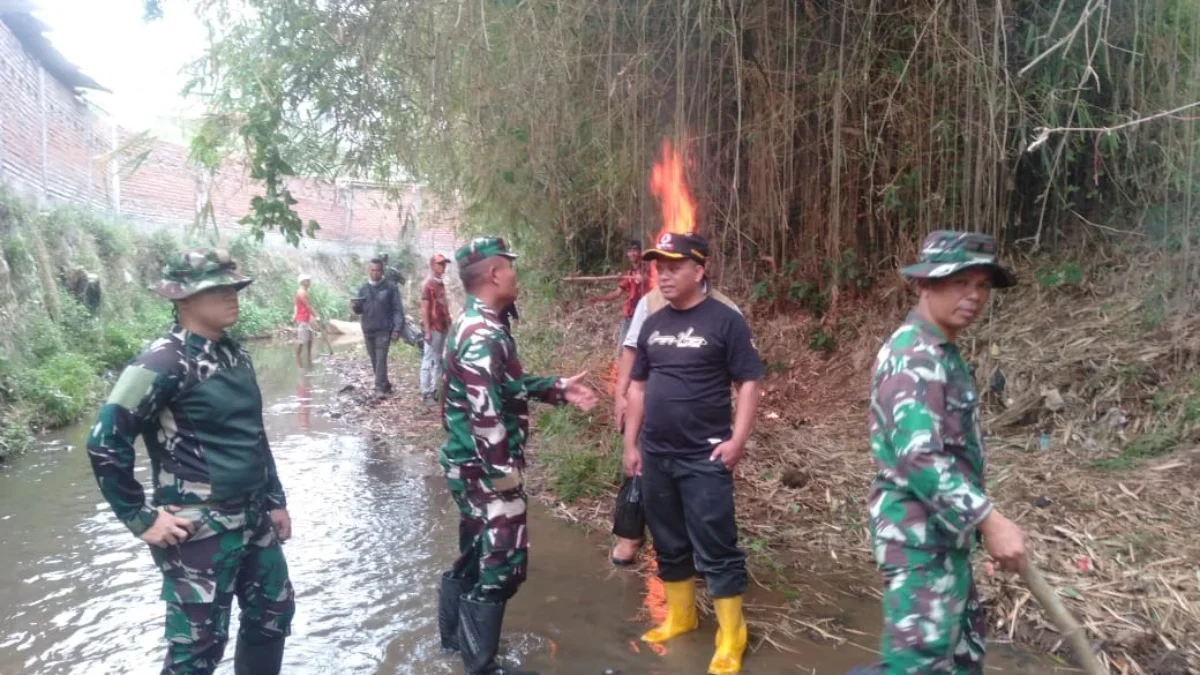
{"points": [[377, 349]]}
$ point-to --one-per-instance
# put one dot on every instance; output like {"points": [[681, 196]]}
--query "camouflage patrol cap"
{"points": [[199, 269], [482, 248], [946, 252]]}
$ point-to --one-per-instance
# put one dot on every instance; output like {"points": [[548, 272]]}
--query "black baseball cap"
{"points": [[679, 246]]}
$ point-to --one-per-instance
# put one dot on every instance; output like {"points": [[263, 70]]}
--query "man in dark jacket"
{"points": [[379, 303]]}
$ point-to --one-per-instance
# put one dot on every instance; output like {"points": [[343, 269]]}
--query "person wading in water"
{"points": [[303, 315], [218, 512], [486, 415]]}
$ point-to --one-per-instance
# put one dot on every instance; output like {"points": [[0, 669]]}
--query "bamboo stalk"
{"points": [[1067, 626]]}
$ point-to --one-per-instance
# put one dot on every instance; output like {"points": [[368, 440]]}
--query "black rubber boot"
{"points": [[448, 599], [258, 659], [479, 638]]}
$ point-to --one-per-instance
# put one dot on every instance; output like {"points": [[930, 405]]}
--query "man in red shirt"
{"points": [[302, 316], [634, 283], [435, 318]]}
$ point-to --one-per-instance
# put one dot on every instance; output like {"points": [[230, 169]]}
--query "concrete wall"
{"points": [[56, 149]]}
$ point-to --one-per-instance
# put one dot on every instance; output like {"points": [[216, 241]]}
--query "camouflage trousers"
{"points": [[932, 619], [232, 552], [493, 543]]}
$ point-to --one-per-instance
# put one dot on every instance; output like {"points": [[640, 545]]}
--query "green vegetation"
{"points": [[579, 457], [1148, 445], [56, 340], [1176, 418], [576, 463]]}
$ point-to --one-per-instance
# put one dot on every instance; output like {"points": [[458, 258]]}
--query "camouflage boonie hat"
{"points": [[200, 269], [482, 248], [946, 252]]}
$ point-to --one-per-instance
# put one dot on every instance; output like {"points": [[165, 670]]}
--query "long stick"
{"points": [[612, 277], [1067, 626], [325, 335]]}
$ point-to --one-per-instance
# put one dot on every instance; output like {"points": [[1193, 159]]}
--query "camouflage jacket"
{"points": [[486, 410], [928, 491], [197, 406]]}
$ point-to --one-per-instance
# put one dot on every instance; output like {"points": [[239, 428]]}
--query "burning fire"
{"points": [[668, 185]]}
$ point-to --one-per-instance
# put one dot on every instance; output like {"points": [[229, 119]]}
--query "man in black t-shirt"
{"points": [[688, 355]]}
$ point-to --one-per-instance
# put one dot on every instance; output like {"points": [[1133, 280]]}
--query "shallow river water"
{"points": [[373, 529]]}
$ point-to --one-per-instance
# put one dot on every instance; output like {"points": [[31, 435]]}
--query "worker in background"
{"points": [[303, 315], [435, 320], [929, 502], [486, 414], [632, 285], [218, 513], [689, 354], [382, 311]]}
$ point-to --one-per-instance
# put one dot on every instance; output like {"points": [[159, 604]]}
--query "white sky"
{"points": [[139, 61]]}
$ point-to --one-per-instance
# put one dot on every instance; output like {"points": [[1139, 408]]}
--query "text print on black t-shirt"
{"points": [[684, 340], [688, 360]]}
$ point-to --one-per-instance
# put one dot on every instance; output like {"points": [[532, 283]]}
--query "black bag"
{"points": [[629, 520]]}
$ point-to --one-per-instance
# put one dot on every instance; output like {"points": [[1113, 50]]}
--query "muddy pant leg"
{"points": [[665, 516], [264, 589], [706, 491], [199, 577], [931, 624]]}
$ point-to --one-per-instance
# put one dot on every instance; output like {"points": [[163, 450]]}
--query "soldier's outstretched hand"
{"points": [[168, 529], [1004, 541], [578, 394]]}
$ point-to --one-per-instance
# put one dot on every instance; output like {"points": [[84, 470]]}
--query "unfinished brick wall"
{"points": [[54, 148]]}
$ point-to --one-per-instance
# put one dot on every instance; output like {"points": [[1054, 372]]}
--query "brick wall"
{"points": [[55, 149]]}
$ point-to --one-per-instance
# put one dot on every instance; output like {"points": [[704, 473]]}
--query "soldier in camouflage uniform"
{"points": [[486, 411], [928, 501], [218, 512]]}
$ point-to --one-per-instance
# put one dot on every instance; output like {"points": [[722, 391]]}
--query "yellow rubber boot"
{"points": [[681, 611], [731, 636]]}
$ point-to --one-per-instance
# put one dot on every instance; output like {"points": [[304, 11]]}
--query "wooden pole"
{"points": [[612, 277], [1067, 626], [324, 335]]}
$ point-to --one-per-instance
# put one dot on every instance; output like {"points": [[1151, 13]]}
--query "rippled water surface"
{"points": [[372, 531]]}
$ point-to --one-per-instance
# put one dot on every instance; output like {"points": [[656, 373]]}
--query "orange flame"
{"points": [[668, 185]]}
